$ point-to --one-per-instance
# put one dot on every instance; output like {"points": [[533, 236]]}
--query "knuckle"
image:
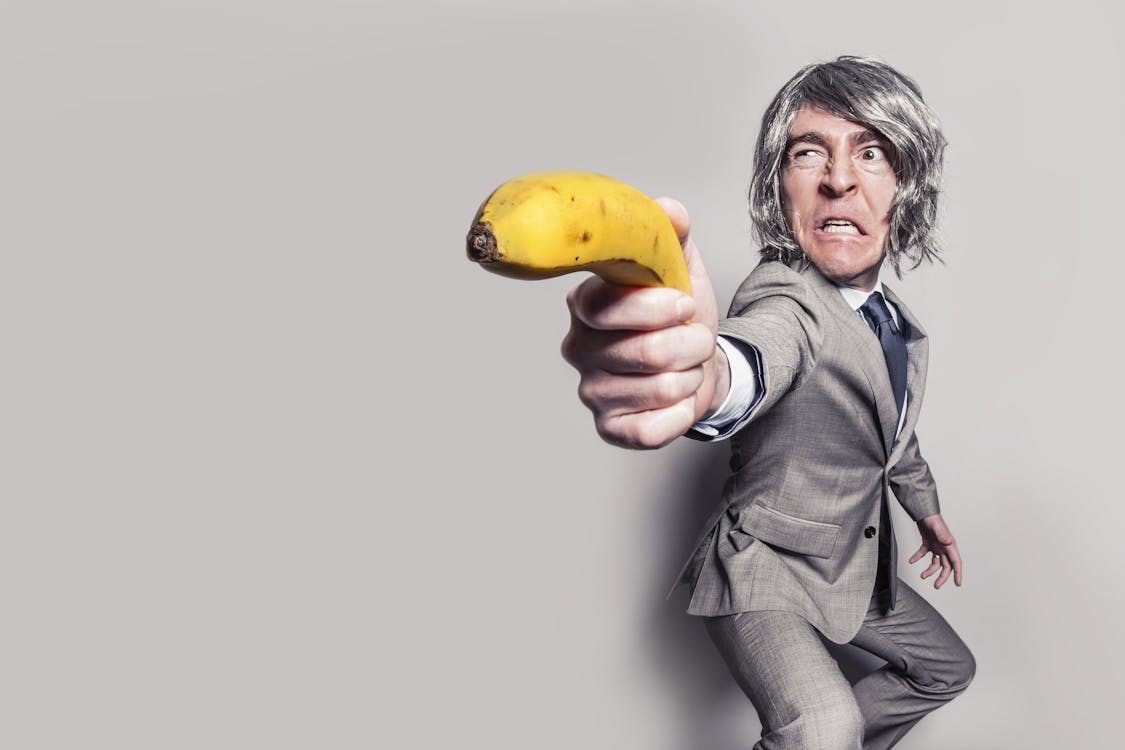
{"points": [[653, 352], [577, 345], [566, 348], [589, 393], [626, 431], [668, 388], [573, 303], [578, 301], [602, 425], [572, 294], [647, 435], [611, 431], [572, 349], [644, 431], [644, 352], [697, 345], [693, 380]]}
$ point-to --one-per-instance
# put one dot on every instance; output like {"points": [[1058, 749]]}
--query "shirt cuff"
{"points": [[745, 388]]}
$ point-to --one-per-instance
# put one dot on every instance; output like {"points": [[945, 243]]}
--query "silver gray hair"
{"points": [[868, 91]]}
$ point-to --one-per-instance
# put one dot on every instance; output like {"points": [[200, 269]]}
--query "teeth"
{"points": [[837, 225]]}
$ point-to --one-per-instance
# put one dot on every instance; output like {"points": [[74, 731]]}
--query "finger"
{"points": [[935, 565], [955, 561], [650, 429], [608, 307], [919, 554], [609, 395], [627, 353], [946, 571]]}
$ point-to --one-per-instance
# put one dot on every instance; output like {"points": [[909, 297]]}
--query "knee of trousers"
{"points": [[954, 676], [966, 670], [835, 724]]}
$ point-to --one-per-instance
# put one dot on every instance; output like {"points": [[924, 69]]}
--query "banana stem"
{"points": [[481, 244]]}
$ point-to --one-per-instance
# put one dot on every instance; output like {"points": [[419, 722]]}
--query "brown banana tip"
{"points": [[481, 244]]}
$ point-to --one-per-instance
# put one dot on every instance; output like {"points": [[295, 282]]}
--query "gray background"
{"points": [[269, 442]]}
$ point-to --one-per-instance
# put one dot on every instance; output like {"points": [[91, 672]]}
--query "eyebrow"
{"points": [[817, 138]]}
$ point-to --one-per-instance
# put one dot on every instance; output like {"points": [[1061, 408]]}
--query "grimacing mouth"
{"points": [[839, 221]]}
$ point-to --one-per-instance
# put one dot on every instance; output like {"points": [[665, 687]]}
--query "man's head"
{"points": [[851, 140]]}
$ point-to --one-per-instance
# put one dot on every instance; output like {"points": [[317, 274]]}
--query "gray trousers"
{"points": [[803, 699]]}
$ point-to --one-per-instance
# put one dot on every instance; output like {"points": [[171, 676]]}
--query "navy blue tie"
{"points": [[878, 316]]}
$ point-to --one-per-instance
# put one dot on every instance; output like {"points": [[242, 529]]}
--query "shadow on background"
{"points": [[715, 713]]}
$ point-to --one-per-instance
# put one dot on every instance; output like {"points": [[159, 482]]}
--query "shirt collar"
{"points": [[855, 298]]}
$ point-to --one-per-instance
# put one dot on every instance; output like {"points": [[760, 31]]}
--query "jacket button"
{"points": [[869, 532]]}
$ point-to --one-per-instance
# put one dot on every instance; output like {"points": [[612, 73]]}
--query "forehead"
{"points": [[812, 120]]}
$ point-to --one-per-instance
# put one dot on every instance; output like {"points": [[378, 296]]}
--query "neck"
{"points": [[864, 281], [864, 286]]}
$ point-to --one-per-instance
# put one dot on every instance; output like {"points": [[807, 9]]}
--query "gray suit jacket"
{"points": [[814, 460]]}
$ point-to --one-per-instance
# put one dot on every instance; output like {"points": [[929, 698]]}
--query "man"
{"points": [[816, 376]]}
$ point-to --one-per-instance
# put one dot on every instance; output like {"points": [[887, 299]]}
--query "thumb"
{"points": [[700, 281], [678, 215]]}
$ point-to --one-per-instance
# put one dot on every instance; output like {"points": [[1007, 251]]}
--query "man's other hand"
{"points": [[938, 541], [646, 373]]}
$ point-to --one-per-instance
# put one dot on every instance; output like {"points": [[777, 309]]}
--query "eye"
{"points": [[806, 156], [872, 153]]}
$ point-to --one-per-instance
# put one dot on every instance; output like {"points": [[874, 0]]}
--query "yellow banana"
{"points": [[549, 224]]}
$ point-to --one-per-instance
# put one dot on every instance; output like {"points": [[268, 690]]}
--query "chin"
{"points": [[844, 267]]}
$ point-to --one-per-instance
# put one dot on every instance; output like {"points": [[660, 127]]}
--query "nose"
{"points": [[839, 177]]}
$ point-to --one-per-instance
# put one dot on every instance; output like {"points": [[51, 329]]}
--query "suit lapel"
{"points": [[869, 355], [917, 359]]}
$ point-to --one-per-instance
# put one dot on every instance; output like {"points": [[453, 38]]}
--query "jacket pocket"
{"points": [[788, 532]]}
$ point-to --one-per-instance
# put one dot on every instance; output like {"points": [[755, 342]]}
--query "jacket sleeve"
{"points": [[776, 313], [913, 484]]}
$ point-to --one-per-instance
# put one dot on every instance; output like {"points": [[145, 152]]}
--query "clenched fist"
{"points": [[647, 374]]}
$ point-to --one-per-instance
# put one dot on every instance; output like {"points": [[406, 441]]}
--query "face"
{"points": [[837, 185]]}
